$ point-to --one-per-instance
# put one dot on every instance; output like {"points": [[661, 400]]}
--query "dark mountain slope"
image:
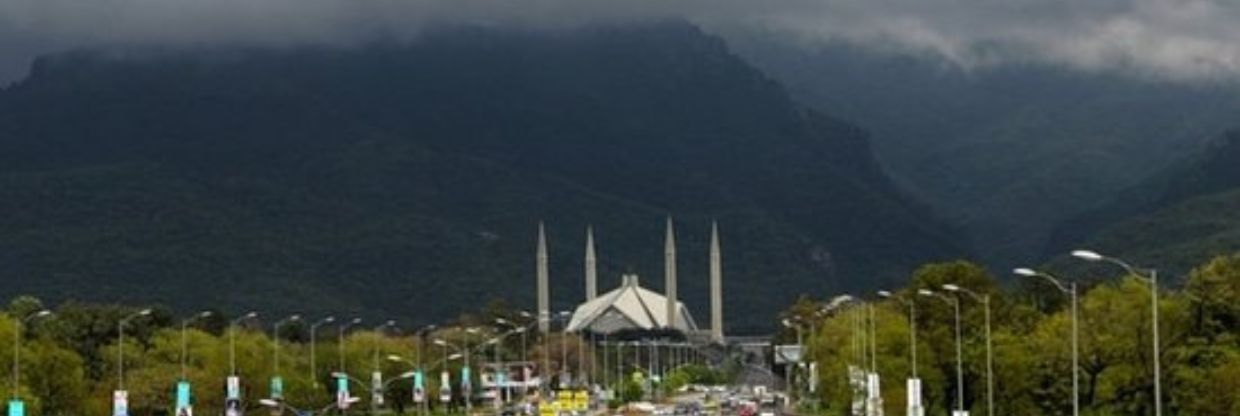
{"points": [[1176, 219], [406, 179], [1011, 151]]}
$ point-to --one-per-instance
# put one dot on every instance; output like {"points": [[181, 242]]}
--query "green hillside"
{"points": [[1009, 152], [407, 179]]}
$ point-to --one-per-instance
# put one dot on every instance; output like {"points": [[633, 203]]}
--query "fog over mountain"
{"points": [[1177, 39]]}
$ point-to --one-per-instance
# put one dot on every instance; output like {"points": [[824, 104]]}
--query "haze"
{"points": [[1173, 39]]}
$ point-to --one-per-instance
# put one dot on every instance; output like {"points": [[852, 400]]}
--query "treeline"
{"points": [[1031, 335], [69, 359]]}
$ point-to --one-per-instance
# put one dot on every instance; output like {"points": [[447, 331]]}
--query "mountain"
{"points": [[1176, 219], [406, 179], [1007, 151]]}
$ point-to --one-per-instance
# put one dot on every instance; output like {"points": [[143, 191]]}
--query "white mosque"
{"points": [[632, 307]]}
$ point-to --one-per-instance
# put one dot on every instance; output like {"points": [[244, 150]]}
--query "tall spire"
{"points": [[591, 266], [716, 286], [544, 290], [669, 273]]}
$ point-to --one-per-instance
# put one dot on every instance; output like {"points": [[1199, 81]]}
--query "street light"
{"points": [[374, 404], [314, 340], [1071, 291], [985, 300], [120, 345], [959, 353], [185, 340], [912, 325], [379, 330], [465, 393], [340, 341], [232, 339], [275, 342], [17, 347], [1150, 276]]}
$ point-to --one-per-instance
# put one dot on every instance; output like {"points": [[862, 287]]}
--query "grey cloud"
{"points": [[1176, 39]]}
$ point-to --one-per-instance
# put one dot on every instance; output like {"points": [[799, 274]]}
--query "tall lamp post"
{"points": [[120, 345], [378, 387], [990, 367], [277, 384], [17, 349], [1151, 277], [340, 341], [959, 353], [120, 399], [912, 327], [343, 397], [185, 341], [314, 340], [232, 340], [914, 384], [1070, 290], [464, 382]]}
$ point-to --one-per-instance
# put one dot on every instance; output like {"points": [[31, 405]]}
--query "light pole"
{"points": [[185, 341], [1150, 276], [314, 340], [1071, 291], [912, 327], [232, 340], [340, 341], [342, 370], [277, 384], [959, 353], [421, 335], [17, 348], [465, 393], [377, 375], [120, 346], [275, 342], [990, 368]]}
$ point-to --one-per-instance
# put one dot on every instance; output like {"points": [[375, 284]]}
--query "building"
{"points": [[630, 307]]}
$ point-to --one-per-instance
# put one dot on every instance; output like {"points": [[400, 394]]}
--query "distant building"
{"points": [[630, 307]]}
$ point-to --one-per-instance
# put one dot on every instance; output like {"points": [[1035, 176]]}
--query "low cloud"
{"points": [[1174, 39]]}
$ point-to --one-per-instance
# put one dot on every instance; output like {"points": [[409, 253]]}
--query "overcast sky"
{"points": [[1175, 39]]}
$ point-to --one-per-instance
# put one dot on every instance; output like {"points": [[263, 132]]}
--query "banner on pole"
{"points": [[120, 403], [466, 385], [17, 408], [915, 407], [376, 388], [232, 402], [419, 387], [234, 388], [277, 388], [342, 393], [445, 387], [183, 406]]}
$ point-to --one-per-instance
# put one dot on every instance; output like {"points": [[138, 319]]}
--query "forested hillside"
{"points": [[407, 179]]}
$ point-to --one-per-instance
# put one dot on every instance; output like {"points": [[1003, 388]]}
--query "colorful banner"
{"points": [[232, 401], [277, 388], [183, 406], [17, 408], [342, 393], [234, 388], [915, 407], [376, 388], [419, 387], [466, 385], [120, 403], [445, 387]]}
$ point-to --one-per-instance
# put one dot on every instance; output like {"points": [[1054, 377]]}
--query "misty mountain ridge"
{"points": [[1008, 151], [405, 180], [1177, 218]]}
